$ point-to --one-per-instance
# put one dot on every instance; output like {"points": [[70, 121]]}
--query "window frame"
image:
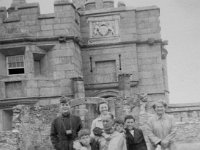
{"points": [[7, 65]]}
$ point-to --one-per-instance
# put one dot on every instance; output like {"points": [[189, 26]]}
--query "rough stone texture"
{"points": [[31, 124], [97, 45]]}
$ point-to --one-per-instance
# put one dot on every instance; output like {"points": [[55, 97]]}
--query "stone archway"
{"points": [[107, 94]]}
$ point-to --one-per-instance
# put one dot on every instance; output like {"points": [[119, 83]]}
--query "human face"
{"points": [[129, 124], [103, 108], [107, 122], [65, 107], [118, 127], [85, 140], [159, 109]]}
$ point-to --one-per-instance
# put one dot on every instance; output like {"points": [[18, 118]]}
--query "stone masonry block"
{"points": [[46, 91], [46, 33], [32, 84], [147, 61], [150, 67], [149, 55], [58, 53], [32, 92], [150, 74], [59, 74], [45, 83], [64, 67], [151, 81], [46, 27]]}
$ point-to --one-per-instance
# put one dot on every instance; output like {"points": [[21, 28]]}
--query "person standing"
{"points": [[134, 136], [161, 129], [110, 139], [64, 128], [102, 109]]}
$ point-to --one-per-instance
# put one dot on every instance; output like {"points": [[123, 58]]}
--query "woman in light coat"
{"points": [[102, 110], [161, 129]]}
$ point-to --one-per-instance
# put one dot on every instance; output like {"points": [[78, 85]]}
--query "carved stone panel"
{"points": [[104, 29]]}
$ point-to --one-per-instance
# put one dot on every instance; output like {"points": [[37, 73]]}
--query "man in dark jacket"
{"points": [[134, 137], [64, 128]]}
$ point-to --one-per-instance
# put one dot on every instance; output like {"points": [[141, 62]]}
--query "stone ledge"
{"points": [[12, 19], [10, 102], [106, 85], [46, 16], [147, 8], [184, 105], [156, 41], [37, 39]]}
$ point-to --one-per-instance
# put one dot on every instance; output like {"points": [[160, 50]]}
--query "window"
{"points": [[15, 64]]}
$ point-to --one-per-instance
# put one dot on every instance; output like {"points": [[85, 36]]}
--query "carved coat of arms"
{"points": [[104, 29]]}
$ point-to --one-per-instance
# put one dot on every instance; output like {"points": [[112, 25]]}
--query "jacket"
{"points": [[59, 138], [136, 142]]}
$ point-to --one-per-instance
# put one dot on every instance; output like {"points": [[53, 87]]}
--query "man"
{"points": [[64, 128], [110, 139], [134, 137]]}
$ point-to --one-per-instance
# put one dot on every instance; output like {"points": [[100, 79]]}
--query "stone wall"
{"points": [[31, 124]]}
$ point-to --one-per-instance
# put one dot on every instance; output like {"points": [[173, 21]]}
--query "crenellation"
{"points": [[98, 44]]}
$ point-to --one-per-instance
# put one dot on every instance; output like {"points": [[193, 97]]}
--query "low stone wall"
{"points": [[31, 126], [9, 140]]}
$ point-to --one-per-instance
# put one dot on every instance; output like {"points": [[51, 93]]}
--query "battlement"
{"points": [[25, 19]]}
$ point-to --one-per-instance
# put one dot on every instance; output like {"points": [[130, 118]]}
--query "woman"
{"points": [[102, 110], [161, 129]]}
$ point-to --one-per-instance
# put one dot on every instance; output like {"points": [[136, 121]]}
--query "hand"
{"points": [[165, 143], [77, 145], [158, 147], [97, 131]]}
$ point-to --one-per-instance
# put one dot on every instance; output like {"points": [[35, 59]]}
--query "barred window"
{"points": [[15, 64]]}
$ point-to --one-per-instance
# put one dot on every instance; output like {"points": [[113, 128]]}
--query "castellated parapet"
{"points": [[42, 54]]}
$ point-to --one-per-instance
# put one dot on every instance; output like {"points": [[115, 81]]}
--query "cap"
{"points": [[64, 99]]}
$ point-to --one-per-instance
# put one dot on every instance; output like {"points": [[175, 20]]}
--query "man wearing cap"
{"points": [[64, 128]]}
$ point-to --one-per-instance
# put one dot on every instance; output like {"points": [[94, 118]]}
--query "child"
{"points": [[84, 141], [134, 137], [119, 125]]}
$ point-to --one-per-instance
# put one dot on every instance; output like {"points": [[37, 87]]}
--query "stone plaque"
{"points": [[104, 29]]}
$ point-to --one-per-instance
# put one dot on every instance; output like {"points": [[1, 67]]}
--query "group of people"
{"points": [[110, 133]]}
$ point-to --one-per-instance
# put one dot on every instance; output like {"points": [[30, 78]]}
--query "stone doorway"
{"points": [[6, 120]]}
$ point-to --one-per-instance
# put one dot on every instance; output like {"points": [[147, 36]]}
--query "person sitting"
{"points": [[134, 137]]}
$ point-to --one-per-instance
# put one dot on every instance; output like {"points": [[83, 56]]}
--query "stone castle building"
{"points": [[85, 48]]}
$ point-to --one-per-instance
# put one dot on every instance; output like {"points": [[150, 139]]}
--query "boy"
{"points": [[119, 125], [134, 137], [85, 142]]}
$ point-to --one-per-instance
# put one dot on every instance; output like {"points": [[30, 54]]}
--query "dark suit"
{"points": [[59, 139], [137, 141]]}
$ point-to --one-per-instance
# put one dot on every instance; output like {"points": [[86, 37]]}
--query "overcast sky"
{"points": [[180, 25]]}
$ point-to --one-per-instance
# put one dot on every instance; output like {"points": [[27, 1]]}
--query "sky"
{"points": [[180, 25]]}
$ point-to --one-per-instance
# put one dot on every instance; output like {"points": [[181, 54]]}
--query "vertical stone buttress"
{"points": [[124, 85], [78, 87]]}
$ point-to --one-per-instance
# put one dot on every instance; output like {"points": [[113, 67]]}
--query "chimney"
{"points": [[78, 87], [124, 85]]}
